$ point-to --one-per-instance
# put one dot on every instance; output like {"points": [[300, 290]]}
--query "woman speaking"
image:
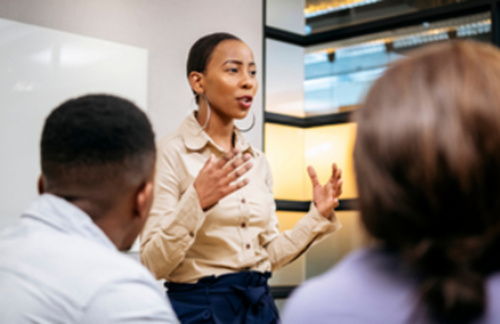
{"points": [[213, 232]]}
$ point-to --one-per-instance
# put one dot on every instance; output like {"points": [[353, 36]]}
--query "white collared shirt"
{"points": [[182, 243], [57, 266]]}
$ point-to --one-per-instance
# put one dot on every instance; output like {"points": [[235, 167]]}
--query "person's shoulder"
{"points": [[171, 150], [492, 313], [69, 270], [171, 142], [347, 293], [100, 269], [129, 301], [338, 278], [118, 282], [118, 269], [126, 290], [116, 266], [68, 261]]}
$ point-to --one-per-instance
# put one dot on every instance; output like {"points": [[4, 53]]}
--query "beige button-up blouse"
{"points": [[182, 243]]}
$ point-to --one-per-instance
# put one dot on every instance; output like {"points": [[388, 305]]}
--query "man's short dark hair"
{"points": [[97, 138]]}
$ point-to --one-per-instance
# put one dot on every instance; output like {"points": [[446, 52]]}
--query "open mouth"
{"points": [[245, 101]]}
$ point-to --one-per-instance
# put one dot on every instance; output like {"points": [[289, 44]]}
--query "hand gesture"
{"points": [[216, 179], [326, 197]]}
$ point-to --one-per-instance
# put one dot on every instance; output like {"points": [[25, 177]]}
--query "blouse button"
{"points": [[243, 225], [247, 246], [191, 234], [243, 201]]}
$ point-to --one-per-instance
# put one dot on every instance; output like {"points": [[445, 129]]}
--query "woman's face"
{"points": [[230, 79]]}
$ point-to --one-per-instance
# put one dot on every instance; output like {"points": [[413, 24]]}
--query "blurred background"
{"points": [[316, 61], [320, 58]]}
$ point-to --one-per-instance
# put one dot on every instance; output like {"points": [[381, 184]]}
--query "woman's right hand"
{"points": [[217, 178]]}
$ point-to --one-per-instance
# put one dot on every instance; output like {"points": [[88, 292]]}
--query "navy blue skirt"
{"points": [[236, 298]]}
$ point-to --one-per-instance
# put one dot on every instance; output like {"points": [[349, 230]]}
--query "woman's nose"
{"points": [[247, 82]]}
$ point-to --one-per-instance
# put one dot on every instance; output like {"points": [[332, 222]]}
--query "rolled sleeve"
{"points": [[319, 224]]}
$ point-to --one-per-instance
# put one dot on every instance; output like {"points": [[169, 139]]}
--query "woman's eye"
{"points": [[233, 70], [253, 73]]}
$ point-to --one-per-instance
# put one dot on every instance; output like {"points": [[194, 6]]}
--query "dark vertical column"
{"points": [[495, 23], [263, 86]]}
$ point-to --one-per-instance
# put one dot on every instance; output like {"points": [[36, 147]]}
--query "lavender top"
{"points": [[370, 286]]}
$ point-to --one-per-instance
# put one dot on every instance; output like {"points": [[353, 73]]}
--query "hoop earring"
{"points": [[190, 110], [208, 113], [251, 126]]}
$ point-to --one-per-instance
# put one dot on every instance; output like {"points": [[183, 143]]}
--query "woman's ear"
{"points": [[196, 80]]}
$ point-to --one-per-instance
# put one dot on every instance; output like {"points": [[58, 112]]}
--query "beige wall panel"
{"points": [[326, 145], [291, 149], [326, 254], [290, 275], [284, 150], [288, 219]]}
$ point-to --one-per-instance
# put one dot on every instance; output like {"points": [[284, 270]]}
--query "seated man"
{"points": [[61, 263]]}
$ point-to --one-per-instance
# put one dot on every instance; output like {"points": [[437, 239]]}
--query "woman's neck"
{"points": [[219, 129]]}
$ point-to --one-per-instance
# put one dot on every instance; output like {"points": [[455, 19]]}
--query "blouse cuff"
{"points": [[321, 224]]}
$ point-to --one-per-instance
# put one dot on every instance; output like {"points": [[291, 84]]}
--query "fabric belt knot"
{"points": [[255, 298], [245, 293]]}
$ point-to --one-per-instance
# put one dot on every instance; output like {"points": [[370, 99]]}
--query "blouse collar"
{"points": [[196, 139]]}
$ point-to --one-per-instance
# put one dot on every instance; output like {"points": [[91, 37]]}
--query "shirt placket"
{"points": [[244, 222]]}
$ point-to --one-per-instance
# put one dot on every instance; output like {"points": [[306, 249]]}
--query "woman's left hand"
{"points": [[326, 197]]}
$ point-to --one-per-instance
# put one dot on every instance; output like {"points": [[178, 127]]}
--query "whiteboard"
{"points": [[39, 69]]}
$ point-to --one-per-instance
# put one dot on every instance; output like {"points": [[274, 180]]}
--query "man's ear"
{"points": [[196, 80], [40, 185], [144, 200]]}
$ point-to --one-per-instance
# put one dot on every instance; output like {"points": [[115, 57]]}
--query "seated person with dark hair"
{"points": [[61, 263], [427, 160]]}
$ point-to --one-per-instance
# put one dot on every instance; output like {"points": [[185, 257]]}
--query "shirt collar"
{"points": [[66, 217], [196, 139]]}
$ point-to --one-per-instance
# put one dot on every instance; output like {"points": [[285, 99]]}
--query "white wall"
{"points": [[166, 28], [39, 69]]}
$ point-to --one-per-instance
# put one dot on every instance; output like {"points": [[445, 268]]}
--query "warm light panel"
{"points": [[288, 219], [331, 144], [291, 149], [318, 8], [284, 150]]}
